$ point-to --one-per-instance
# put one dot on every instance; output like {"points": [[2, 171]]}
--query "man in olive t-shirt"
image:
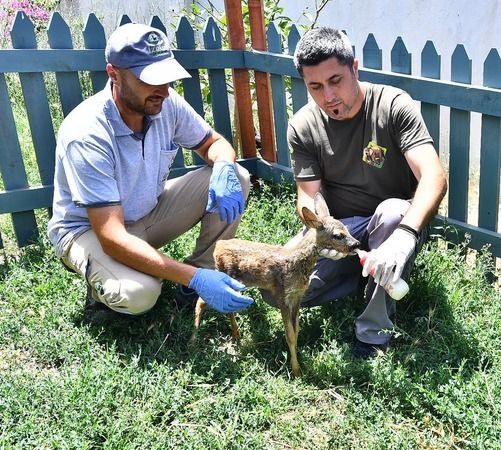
{"points": [[367, 149]]}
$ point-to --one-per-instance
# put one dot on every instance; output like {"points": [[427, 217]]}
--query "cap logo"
{"points": [[156, 46], [152, 38]]}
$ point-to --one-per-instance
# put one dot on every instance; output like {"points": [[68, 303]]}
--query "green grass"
{"points": [[137, 384]]}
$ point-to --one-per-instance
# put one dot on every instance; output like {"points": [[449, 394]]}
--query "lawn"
{"points": [[136, 383]]}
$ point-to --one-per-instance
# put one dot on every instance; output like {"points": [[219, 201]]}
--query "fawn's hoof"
{"points": [[193, 339], [296, 371]]}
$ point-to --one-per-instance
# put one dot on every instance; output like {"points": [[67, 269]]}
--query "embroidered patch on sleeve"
{"points": [[374, 155]]}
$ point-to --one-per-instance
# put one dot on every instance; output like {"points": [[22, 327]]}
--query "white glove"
{"points": [[387, 262], [331, 254]]}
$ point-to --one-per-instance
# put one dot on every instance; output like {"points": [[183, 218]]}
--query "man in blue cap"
{"points": [[114, 205]]}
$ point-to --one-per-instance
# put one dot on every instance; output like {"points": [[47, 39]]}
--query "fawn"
{"points": [[281, 270]]}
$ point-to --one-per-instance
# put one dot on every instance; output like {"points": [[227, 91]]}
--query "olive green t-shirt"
{"points": [[361, 160]]}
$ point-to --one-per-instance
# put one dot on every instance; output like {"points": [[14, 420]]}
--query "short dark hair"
{"points": [[319, 44]]}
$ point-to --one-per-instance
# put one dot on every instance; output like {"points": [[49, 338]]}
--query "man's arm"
{"points": [[218, 289], [432, 185], [108, 224], [306, 191], [216, 148]]}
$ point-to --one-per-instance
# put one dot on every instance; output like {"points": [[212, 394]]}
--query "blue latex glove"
{"points": [[220, 291], [225, 192]]}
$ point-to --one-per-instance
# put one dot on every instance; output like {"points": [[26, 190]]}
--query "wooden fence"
{"points": [[20, 196]]}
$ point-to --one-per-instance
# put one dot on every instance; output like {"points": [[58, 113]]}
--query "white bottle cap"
{"points": [[397, 289]]}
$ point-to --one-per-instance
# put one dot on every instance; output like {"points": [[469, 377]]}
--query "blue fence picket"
{"points": [[40, 121], [430, 68], [94, 38], [11, 162], [68, 83], [490, 152], [37, 103], [185, 39], [13, 173], [459, 142], [124, 18], [373, 55], [298, 89], [217, 82], [401, 61], [155, 22], [279, 100], [192, 93]]}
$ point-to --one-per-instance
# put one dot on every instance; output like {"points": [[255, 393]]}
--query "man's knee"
{"points": [[136, 296], [391, 211], [385, 220]]}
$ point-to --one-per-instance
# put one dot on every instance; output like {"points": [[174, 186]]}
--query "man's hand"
{"points": [[225, 192], [220, 291], [387, 262]]}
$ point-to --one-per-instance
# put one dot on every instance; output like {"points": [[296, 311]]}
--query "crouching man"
{"points": [[366, 148], [113, 204]]}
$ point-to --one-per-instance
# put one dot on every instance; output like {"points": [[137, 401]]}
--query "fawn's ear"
{"points": [[321, 207], [310, 219]]}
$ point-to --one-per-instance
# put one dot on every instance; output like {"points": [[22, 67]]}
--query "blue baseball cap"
{"points": [[146, 52]]}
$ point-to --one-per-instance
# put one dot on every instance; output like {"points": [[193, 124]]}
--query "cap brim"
{"points": [[161, 72]]}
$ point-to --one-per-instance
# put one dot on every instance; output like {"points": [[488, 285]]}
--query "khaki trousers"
{"points": [[180, 207]]}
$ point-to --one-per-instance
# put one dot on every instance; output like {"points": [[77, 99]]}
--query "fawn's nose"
{"points": [[353, 244]]}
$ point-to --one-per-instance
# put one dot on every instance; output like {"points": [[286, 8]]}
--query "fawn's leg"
{"points": [[297, 325], [291, 323], [199, 310], [235, 332]]}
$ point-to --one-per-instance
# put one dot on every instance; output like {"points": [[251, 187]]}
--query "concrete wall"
{"points": [[476, 25], [110, 11], [447, 23]]}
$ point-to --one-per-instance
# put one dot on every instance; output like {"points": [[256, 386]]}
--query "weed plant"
{"points": [[136, 383]]}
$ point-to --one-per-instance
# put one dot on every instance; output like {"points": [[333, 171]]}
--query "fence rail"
{"points": [[209, 64]]}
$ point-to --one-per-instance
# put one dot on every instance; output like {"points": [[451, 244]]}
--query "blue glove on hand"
{"points": [[225, 192], [219, 291]]}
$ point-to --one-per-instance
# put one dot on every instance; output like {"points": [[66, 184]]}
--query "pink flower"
{"points": [[35, 12]]}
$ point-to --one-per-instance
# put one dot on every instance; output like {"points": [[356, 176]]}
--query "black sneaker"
{"points": [[95, 311], [363, 350], [185, 298]]}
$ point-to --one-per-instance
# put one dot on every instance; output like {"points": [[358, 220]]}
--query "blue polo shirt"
{"points": [[100, 161]]}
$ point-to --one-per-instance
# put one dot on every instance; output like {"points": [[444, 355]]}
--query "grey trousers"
{"points": [[333, 280], [180, 207]]}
